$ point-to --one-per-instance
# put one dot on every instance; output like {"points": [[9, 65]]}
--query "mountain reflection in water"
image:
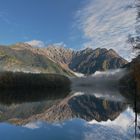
{"points": [[93, 117], [73, 129], [70, 115]]}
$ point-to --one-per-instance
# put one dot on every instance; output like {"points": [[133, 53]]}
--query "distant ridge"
{"points": [[57, 59]]}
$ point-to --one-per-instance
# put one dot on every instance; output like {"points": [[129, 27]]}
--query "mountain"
{"points": [[55, 53], [22, 57], [60, 54], [56, 59], [89, 61], [86, 61]]}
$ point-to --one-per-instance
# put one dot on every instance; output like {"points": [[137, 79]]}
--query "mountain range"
{"points": [[57, 59]]}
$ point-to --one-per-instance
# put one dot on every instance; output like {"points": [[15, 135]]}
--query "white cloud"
{"points": [[33, 125], [41, 44], [36, 43], [107, 23]]}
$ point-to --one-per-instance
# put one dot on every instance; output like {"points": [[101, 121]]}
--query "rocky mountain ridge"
{"points": [[57, 59], [23, 57]]}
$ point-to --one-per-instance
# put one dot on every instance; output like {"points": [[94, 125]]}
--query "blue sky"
{"points": [[45, 20], [75, 23]]}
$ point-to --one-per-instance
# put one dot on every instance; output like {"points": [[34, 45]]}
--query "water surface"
{"points": [[87, 112]]}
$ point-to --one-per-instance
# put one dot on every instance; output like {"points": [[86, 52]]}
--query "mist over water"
{"points": [[100, 84]]}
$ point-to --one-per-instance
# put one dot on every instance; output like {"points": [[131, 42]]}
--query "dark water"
{"points": [[100, 113], [96, 118]]}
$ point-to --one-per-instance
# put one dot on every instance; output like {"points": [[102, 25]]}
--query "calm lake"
{"points": [[87, 112]]}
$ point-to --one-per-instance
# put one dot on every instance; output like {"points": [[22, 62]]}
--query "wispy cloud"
{"points": [[107, 23], [4, 18]]}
